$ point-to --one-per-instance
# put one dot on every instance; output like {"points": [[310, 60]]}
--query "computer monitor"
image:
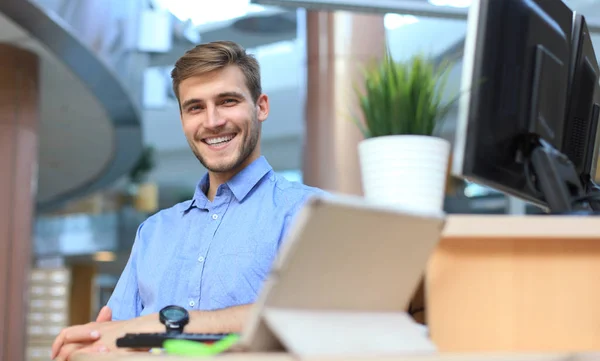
{"points": [[522, 73], [581, 137]]}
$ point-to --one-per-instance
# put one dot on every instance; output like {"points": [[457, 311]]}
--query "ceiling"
{"points": [[82, 147]]}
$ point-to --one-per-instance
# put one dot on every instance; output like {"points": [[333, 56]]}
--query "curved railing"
{"points": [[102, 82]]}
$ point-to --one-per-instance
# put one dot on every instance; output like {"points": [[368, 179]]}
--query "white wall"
{"points": [[427, 36]]}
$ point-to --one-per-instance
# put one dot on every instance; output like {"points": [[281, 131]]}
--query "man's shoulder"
{"points": [[170, 214], [295, 192]]}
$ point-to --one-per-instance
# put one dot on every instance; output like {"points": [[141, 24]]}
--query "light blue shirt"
{"points": [[205, 255]]}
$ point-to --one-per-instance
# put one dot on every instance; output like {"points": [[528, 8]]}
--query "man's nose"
{"points": [[214, 118]]}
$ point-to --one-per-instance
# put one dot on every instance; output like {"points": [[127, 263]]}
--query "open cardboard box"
{"points": [[343, 280]]}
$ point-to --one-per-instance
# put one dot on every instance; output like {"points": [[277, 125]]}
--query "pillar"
{"points": [[338, 44], [18, 162]]}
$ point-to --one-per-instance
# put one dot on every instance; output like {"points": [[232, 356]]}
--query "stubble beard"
{"points": [[248, 144]]}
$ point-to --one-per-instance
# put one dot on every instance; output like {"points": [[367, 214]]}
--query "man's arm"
{"points": [[227, 320], [102, 336], [125, 301]]}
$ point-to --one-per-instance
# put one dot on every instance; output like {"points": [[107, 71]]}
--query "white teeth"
{"points": [[217, 140]]}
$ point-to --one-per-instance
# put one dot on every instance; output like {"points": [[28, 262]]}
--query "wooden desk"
{"points": [[515, 283], [287, 357], [148, 357]]}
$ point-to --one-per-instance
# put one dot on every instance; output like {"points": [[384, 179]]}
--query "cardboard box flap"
{"points": [[330, 333], [348, 257], [346, 254]]}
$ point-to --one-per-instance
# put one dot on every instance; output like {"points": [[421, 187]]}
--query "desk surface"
{"points": [[484, 226], [288, 357]]}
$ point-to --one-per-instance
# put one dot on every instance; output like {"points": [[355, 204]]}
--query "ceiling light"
{"points": [[203, 12], [393, 21], [451, 3]]}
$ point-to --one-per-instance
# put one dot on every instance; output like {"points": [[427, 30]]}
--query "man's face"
{"points": [[220, 120]]}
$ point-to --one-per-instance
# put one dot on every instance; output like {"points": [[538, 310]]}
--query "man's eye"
{"points": [[229, 101]]}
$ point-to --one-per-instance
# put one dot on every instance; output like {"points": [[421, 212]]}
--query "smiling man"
{"points": [[212, 253]]}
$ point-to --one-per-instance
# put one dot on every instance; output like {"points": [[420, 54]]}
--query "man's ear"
{"points": [[262, 107]]}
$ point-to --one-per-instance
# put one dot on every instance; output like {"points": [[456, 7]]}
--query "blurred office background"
{"points": [[111, 150]]}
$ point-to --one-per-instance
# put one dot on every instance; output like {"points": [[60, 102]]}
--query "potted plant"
{"points": [[403, 162]]}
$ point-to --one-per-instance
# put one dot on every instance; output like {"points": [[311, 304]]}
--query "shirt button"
{"points": [[215, 216], [192, 303], [200, 259]]}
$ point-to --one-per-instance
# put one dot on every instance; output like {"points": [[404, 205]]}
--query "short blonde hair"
{"points": [[206, 58]]}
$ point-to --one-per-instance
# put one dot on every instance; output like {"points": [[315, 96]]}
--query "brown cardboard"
{"points": [[343, 280]]}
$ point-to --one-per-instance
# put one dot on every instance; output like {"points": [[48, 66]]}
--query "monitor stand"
{"points": [[559, 182]]}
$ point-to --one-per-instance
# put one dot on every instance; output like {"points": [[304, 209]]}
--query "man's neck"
{"points": [[215, 179]]}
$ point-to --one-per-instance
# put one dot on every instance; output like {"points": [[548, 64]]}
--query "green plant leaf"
{"points": [[402, 97]]}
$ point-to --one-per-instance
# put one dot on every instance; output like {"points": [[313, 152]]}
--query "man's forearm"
{"points": [[227, 320]]}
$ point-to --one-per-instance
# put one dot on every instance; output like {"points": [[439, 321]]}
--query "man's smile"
{"points": [[219, 141]]}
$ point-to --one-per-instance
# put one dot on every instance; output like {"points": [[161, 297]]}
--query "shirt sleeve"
{"points": [[125, 302]]}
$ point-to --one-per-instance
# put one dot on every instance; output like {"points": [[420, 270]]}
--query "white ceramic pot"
{"points": [[405, 170]]}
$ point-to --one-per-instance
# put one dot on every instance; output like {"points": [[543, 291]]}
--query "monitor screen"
{"points": [[514, 103], [580, 143]]}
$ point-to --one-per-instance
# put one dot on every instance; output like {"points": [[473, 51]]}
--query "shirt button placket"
{"points": [[216, 213], [202, 256]]}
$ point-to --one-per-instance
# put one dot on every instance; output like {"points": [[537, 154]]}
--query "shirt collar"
{"points": [[240, 185], [243, 182]]}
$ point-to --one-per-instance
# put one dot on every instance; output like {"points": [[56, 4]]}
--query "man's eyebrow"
{"points": [[189, 102], [232, 94]]}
